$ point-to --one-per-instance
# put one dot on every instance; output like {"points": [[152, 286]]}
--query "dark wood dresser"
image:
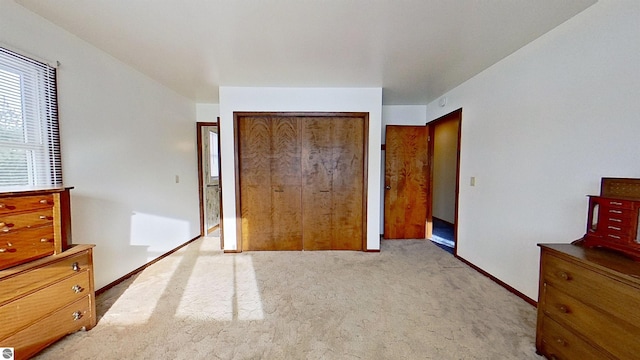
{"points": [[588, 304], [46, 284]]}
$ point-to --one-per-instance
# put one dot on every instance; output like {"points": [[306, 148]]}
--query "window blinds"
{"points": [[29, 138]]}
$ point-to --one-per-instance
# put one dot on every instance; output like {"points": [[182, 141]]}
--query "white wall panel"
{"points": [[234, 99], [539, 130], [124, 139]]}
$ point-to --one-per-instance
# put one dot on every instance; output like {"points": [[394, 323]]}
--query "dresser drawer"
{"points": [[21, 312], [616, 203], [615, 335], [28, 244], [25, 203], [11, 223], [35, 278], [617, 215], [562, 344], [593, 288], [38, 335]]}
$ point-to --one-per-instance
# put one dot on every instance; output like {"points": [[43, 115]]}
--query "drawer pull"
{"points": [[3, 250], [75, 266], [615, 220], [276, 190], [565, 276], [43, 240], [614, 236], [77, 315], [615, 211], [9, 244], [553, 357], [613, 228], [77, 289], [561, 341], [45, 217], [615, 203], [563, 308], [44, 201], [8, 207]]}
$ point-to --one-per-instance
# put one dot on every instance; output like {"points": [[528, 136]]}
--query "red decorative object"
{"points": [[612, 220]]}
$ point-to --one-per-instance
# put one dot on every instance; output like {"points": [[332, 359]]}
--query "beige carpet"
{"points": [[410, 301]]}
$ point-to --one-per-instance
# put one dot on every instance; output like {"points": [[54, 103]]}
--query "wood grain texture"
{"points": [[270, 183], [41, 334], [591, 293], [406, 166], [255, 176], [286, 214], [13, 286], [21, 312], [333, 170], [347, 189], [317, 170], [302, 181]]}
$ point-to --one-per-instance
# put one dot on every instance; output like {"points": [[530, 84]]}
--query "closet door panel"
{"points": [[286, 183], [317, 174], [347, 180], [255, 176]]}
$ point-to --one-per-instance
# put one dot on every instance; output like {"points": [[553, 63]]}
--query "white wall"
{"points": [[207, 112], [234, 99], [539, 130], [397, 115], [124, 138], [445, 160]]}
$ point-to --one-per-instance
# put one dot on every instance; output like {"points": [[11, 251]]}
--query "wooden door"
{"points": [[406, 175], [270, 185], [332, 192], [301, 181]]}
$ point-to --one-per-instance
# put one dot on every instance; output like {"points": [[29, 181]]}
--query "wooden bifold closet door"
{"points": [[301, 181]]}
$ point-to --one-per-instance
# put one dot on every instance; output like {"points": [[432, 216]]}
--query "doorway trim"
{"points": [[199, 130], [365, 159], [452, 116]]}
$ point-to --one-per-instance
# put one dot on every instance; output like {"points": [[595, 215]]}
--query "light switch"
{"points": [[177, 179], [472, 181]]}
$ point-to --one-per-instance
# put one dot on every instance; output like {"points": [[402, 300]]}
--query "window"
{"points": [[29, 139], [213, 160]]}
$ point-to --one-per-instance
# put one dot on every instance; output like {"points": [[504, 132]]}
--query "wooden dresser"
{"points": [[588, 305], [46, 285]]}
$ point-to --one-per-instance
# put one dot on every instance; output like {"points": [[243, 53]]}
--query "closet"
{"points": [[301, 180]]}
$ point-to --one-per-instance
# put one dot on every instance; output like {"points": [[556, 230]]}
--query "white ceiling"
{"points": [[416, 50]]}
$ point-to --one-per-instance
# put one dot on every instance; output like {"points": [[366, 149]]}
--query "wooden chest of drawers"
{"points": [[46, 299], [33, 224], [588, 305]]}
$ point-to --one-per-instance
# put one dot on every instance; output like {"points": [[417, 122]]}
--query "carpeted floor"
{"points": [[410, 301]]}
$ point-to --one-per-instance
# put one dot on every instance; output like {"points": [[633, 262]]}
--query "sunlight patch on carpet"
{"points": [[133, 309], [221, 288]]}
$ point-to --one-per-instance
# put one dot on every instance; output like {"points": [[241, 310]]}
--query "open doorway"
{"points": [[209, 177], [445, 159]]}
